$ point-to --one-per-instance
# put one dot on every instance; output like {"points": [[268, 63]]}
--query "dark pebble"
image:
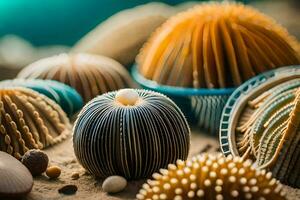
{"points": [[68, 189]]}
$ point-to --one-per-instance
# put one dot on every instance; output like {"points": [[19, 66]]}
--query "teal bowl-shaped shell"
{"points": [[202, 107], [68, 98]]}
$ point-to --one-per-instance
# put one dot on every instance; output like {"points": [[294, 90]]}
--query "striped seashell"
{"points": [[210, 176], [65, 96], [216, 45], [90, 75], [268, 131], [29, 120], [130, 133]]}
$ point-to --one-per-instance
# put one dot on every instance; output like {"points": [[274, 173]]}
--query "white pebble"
{"points": [[114, 184]]}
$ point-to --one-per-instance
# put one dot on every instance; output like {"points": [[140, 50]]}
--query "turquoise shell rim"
{"points": [[176, 91], [224, 135]]}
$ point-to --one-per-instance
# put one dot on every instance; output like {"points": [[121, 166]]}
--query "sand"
{"points": [[89, 187]]}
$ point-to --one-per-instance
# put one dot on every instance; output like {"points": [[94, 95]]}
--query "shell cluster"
{"points": [[216, 45], [131, 133], [209, 176], [268, 131], [90, 75], [29, 120], [67, 97]]}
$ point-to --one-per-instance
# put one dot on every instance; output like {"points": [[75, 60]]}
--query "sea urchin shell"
{"points": [[216, 45], [131, 133], [90, 75], [29, 120], [211, 177]]}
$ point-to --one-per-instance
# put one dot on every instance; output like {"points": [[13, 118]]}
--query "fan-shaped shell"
{"points": [[67, 97], [268, 131], [29, 120], [260, 122], [90, 75], [211, 177], [216, 45], [113, 135], [15, 179]]}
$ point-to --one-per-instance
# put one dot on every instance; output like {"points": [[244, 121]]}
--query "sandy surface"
{"points": [[89, 187]]}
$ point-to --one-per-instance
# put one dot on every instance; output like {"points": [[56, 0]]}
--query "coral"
{"points": [[216, 45], [209, 177], [29, 120]]}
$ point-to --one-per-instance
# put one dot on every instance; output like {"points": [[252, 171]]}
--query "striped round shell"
{"points": [[216, 45], [29, 120], [212, 177], [90, 75], [131, 133], [65, 96]]}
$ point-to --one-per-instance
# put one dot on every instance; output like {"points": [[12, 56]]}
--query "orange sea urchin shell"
{"points": [[29, 120], [211, 177], [216, 45]]}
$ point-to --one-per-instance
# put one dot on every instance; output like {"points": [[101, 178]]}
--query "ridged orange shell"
{"points": [[29, 120], [216, 45]]}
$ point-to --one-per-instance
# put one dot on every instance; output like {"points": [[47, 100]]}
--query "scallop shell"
{"points": [[131, 134], [264, 126], [216, 45], [90, 75], [209, 176], [15, 179], [29, 120], [67, 97]]}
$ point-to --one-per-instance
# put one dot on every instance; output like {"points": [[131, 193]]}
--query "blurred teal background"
{"points": [[44, 22]]}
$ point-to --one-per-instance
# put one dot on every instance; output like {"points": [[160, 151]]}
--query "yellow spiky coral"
{"points": [[29, 120], [216, 45], [211, 177]]}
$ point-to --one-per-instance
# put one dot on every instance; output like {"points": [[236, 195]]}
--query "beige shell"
{"points": [[216, 45], [135, 24], [211, 177], [29, 120], [90, 75], [15, 179]]}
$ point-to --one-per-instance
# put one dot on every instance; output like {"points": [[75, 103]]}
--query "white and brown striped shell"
{"points": [[216, 45], [90, 75], [29, 120], [131, 133], [212, 177]]}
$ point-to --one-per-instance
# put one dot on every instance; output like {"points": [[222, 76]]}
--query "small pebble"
{"points": [[114, 184], [36, 161], [75, 176], [53, 172], [68, 189]]}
